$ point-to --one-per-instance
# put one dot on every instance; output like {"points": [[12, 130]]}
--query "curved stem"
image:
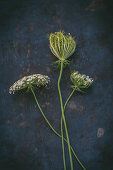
{"points": [[67, 102], [44, 114], [62, 130], [53, 128], [69, 97], [63, 116]]}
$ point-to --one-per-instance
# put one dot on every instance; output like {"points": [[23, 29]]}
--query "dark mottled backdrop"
{"points": [[26, 142]]}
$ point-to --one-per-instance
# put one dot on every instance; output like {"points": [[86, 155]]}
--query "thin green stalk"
{"points": [[63, 149], [63, 116], [62, 133], [44, 114], [53, 128], [69, 97]]}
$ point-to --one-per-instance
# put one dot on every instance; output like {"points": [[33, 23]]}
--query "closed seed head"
{"points": [[27, 81], [61, 45]]}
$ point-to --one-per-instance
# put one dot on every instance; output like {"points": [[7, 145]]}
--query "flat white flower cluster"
{"points": [[80, 80], [35, 80]]}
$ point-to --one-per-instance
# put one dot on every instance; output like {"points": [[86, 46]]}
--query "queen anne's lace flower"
{"points": [[80, 81], [27, 81], [61, 45]]}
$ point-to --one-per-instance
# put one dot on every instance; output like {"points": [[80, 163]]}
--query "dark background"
{"points": [[26, 142]]}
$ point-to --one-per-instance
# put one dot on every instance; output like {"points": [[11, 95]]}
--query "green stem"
{"points": [[44, 114], [65, 107], [62, 132], [69, 97], [63, 116], [53, 128], [63, 149]]}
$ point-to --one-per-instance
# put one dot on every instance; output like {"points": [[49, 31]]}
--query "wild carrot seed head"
{"points": [[61, 45]]}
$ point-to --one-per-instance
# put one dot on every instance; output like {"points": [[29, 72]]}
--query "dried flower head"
{"points": [[61, 45], [80, 81], [27, 81]]}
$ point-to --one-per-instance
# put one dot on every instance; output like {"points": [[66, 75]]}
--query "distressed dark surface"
{"points": [[26, 142]]}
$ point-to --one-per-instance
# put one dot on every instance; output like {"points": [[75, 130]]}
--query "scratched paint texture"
{"points": [[26, 142]]}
